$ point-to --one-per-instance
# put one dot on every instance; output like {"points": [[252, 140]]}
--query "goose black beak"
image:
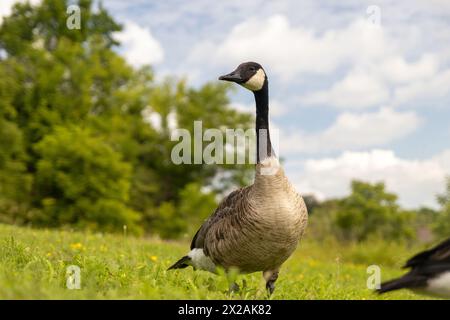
{"points": [[233, 77]]}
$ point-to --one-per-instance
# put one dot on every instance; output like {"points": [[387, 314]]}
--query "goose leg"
{"points": [[233, 287], [270, 276]]}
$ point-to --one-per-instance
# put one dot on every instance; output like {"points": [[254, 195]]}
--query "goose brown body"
{"points": [[255, 228]]}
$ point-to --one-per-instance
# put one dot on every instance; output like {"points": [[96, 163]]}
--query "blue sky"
{"points": [[350, 97]]}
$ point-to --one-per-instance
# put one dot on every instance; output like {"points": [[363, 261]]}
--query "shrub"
{"points": [[442, 224], [368, 211], [81, 180], [194, 207]]}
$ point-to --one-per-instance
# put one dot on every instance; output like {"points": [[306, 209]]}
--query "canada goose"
{"points": [[255, 228], [430, 273]]}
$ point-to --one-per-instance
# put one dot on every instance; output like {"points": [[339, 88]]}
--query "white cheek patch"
{"points": [[256, 82]]}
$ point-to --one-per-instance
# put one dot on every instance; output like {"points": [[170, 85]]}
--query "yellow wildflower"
{"points": [[76, 246], [312, 263]]}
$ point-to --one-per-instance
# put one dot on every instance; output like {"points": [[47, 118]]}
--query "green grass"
{"points": [[33, 266]]}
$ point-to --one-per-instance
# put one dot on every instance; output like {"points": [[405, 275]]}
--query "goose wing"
{"points": [[424, 266], [437, 255], [225, 210]]}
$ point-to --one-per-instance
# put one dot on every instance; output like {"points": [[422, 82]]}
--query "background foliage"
{"points": [[77, 149]]}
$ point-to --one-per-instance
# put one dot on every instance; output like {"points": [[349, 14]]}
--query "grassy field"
{"points": [[33, 266]]}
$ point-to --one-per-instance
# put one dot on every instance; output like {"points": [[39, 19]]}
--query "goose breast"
{"points": [[262, 228]]}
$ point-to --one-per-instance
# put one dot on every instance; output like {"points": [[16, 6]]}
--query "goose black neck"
{"points": [[263, 143]]}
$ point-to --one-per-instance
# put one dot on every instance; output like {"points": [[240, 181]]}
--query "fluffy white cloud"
{"points": [[140, 47], [352, 131], [277, 109], [356, 90], [373, 61], [243, 107], [415, 181], [424, 89], [388, 80], [291, 51], [396, 70]]}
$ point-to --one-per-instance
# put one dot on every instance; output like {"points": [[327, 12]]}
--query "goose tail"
{"points": [[180, 264], [399, 283]]}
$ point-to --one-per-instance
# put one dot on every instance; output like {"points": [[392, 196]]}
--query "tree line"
{"points": [[77, 148], [370, 211]]}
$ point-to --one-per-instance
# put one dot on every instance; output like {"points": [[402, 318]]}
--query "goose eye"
{"points": [[252, 69]]}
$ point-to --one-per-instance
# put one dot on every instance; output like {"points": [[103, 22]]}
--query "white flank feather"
{"points": [[200, 261], [440, 286]]}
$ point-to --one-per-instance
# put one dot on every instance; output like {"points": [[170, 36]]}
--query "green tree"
{"points": [[54, 80], [64, 75], [442, 223], [81, 180], [371, 210], [194, 206], [15, 183], [368, 211]]}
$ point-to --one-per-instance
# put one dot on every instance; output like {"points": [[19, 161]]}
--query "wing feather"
{"points": [[438, 254], [225, 210]]}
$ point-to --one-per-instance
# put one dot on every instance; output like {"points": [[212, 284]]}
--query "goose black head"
{"points": [[250, 75]]}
